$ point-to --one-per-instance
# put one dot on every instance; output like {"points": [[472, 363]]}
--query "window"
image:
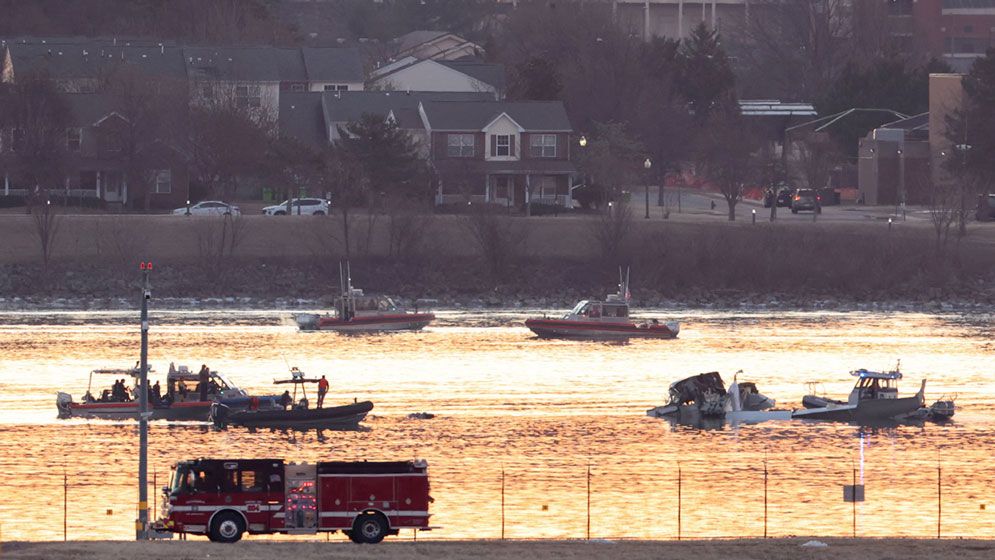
{"points": [[460, 145], [336, 87], [247, 97], [502, 144], [73, 136], [297, 87], [163, 181], [253, 481], [543, 145], [547, 186], [961, 45]]}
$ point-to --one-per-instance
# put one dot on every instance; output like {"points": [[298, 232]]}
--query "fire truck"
{"points": [[225, 498]]}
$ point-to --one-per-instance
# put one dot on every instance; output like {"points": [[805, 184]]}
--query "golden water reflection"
{"points": [[540, 412]]}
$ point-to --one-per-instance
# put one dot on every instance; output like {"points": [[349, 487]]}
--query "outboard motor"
{"points": [[306, 321], [220, 414], [63, 402]]}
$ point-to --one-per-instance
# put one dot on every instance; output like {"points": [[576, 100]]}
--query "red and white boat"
{"points": [[356, 312], [181, 400], [603, 320]]}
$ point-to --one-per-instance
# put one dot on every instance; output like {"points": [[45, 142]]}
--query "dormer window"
{"points": [[502, 145]]}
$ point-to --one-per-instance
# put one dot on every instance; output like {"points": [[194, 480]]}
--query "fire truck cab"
{"points": [[225, 498]]}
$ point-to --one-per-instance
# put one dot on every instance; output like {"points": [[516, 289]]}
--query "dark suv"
{"points": [[782, 198], [986, 208], [806, 199]]}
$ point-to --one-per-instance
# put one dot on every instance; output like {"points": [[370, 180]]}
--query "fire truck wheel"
{"points": [[227, 527], [369, 528]]}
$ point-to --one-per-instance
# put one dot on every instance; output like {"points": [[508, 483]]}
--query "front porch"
{"points": [[510, 190]]}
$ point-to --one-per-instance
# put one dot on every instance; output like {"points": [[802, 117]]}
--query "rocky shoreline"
{"points": [[450, 284]]}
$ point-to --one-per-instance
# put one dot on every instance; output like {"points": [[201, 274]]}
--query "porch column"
{"points": [[6, 185], [528, 195], [568, 201], [487, 188], [124, 190], [713, 15], [100, 193], [680, 19]]}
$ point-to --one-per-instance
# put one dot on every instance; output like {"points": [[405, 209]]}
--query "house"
{"points": [[505, 153], [483, 151], [96, 164], [255, 76], [315, 118], [466, 75], [436, 45]]}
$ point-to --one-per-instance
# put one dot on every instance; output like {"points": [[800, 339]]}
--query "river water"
{"points": [[533, 417]]}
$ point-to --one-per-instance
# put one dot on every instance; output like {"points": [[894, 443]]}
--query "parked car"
{"points": [[782, 199], [303, 206], [806, 199], [986, 208], [209, 208]]}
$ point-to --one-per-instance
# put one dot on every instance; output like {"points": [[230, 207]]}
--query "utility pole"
{"points": [[142, 524]]}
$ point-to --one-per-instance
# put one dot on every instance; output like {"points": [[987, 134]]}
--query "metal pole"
{"points": [[141, 526], [502, 504], [765, 499], [588, 501], [647, 200], [678, 501], [939, 500], [65, 506]]}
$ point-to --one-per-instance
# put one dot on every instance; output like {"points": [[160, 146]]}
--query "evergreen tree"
{"points": [[705, 74], [388, 155]]}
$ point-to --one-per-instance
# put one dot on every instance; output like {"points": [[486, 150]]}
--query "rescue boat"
{"points": [[356, 312], [181, 401], [602, 320], [292, 413]]}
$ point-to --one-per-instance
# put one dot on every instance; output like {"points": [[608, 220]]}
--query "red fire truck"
{"points": [[225, 498]]}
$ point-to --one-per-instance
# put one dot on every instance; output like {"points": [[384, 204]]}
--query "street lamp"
{"points": [[582, 141], [647, 164]]}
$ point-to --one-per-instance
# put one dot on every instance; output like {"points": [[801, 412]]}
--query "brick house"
{"points": [[504, 153]]}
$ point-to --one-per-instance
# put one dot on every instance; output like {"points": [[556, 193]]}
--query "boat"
{"points": [[702, 399], [293, 413], [602, 320], [874, 398], [182, 400], [357, 312]]}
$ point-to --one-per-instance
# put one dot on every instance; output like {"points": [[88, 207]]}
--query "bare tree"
{"points": [[152, 121], [229, 139], [217, 241], [944, 204], [38, 118], [725, 153], [46, 228], [342, 175], [612, 231], [499, 238]]}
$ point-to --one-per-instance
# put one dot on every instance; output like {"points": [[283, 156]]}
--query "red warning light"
{"points": [[145, 265]]}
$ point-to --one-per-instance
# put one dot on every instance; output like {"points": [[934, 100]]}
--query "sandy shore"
{"points": [[838, 549]]}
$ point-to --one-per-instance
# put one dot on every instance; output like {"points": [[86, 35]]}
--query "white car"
{"points": [[302, 206], [209, 208]]}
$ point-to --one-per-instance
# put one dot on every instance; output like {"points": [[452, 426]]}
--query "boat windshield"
{"points": [[387, 304], [579, 307]]}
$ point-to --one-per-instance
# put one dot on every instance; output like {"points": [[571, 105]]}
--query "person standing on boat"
{"points": [[203, 379], [156, 393], [322, 389], [286, 399]]}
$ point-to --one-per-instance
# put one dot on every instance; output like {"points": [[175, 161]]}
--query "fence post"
{"points": [[589, 501], [65, 507], [939, 500], [678, 501], [854, 503], [502, 504], [765, 498]]}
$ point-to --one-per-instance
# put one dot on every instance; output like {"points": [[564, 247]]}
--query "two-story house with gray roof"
{"points": [[505, 153]]}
